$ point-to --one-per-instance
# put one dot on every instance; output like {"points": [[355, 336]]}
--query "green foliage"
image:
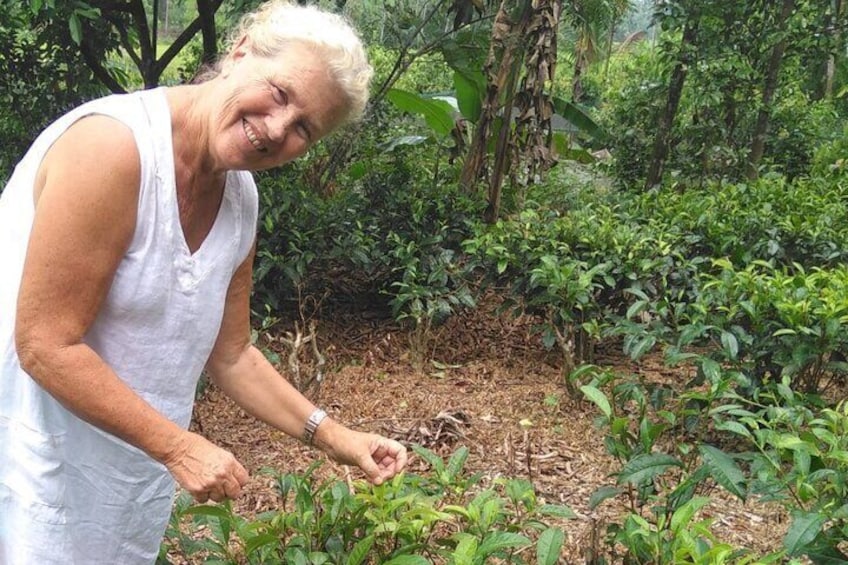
{"points": [[799, 459], [427, 73], [771, 219], [41, 79], [668, 468], [412, 519], [431, 289], [776, 323], [831, 158], [722, 99], [390, 238]]}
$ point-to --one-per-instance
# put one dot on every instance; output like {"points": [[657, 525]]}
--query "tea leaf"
{"points": [[360, 551], [497, 541], [803, 530], [261, 540], [683, 515], [465, 550], [599, 398], [723, 470], [549, 546], [601, 494], [645, 467]]}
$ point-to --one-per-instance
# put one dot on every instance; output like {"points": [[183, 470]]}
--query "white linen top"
{"points": [[69, 492]]}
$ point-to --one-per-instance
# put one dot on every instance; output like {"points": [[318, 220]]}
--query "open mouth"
{"points": [[252, 137]]}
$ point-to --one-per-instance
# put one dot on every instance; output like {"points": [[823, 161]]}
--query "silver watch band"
{"points": [[312, 424]]}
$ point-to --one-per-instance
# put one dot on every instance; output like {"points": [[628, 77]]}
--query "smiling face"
{"points": [[274, 108]]}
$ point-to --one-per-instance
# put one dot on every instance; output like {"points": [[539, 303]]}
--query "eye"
{"points": [[304, 132], [280, 95]]}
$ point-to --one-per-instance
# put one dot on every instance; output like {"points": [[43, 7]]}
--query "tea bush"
{"points": [[775, 323], [445, 516], [803, 221]]}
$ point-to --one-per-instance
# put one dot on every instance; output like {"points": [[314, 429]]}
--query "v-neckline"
{"points": [[215, 222], [180, 235]]}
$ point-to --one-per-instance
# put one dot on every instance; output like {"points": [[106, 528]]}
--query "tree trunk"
{"points": [[837, 46], [154, 28], [577, 79], [510, 63], [772, 73], [206, 14], [474, 167], [675, 91], [502, 70]]}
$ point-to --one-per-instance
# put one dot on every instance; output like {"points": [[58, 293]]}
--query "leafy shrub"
{"points": [[668, 467], [776, 323], [410, 520], [798, 127], [390, 238], [633, 103], [799, 458], [831, 158], [771, 219]]}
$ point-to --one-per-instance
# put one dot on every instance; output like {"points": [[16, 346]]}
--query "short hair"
{"points": [[277, 23]]}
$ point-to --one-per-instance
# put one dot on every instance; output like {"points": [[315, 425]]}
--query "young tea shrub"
{"points": [[439, 518], [775, 323]]}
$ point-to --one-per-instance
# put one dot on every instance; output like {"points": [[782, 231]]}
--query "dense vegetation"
{"points": [[688, 199]]}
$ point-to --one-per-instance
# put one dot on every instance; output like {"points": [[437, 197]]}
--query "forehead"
{"points": [[303, 71]]}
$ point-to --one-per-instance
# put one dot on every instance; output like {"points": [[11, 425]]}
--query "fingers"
{"points": [[387, 458], [208, 472], [219, 490]]}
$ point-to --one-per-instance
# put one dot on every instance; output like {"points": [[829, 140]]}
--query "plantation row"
{"points": [[746, 283]]}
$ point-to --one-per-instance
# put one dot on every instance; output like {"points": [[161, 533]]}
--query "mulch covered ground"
{"points": [[488, 375]]}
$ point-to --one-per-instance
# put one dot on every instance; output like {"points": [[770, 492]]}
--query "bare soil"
{"points": [[488, 374]]}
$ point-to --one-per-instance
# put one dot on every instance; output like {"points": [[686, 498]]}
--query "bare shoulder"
{"points": [[86, 200], [92, 169]]}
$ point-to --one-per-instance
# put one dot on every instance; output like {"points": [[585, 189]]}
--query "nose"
{"points": [[278, 124]]}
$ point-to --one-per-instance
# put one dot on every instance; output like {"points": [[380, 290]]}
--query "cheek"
{"points": [[295, 148]]}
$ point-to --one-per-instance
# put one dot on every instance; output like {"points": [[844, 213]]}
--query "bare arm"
{"points": [[86, 199], [244, 374]]}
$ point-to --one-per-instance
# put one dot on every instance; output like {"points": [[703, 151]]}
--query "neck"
{"points": [[189, 131]]}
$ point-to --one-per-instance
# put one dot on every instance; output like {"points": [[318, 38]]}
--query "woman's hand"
{"points": [[205, 470], [380, 458]]}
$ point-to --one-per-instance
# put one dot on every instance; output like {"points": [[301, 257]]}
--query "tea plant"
{"points": [[800, 460], [443, 517], [668, 467], [776, 322], [431, 289]]}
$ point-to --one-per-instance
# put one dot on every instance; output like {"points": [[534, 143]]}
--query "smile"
{"points": [[252, 137]]}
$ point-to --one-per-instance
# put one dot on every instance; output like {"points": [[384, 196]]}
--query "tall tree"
{"points": [[686, 50], [772, 72], [137, 32]]}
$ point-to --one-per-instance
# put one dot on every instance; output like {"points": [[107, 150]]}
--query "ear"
{"points": [[238, 52], [241, 48]]}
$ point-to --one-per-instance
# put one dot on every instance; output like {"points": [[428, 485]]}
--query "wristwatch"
{"points": [[312, 424]]}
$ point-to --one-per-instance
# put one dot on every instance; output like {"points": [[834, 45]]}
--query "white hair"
{"points": [[277, 23]]}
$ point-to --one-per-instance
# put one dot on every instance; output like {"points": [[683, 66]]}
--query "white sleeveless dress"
{"points": [[70, 493]]}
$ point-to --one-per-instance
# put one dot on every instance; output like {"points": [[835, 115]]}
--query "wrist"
{"points": [[325, 437], [313, 422], [169, 447]]}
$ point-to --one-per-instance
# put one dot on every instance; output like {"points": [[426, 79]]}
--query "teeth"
{"points": [[252, 137]]}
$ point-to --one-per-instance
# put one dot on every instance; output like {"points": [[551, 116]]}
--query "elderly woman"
{"points": [[126, 247]]}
